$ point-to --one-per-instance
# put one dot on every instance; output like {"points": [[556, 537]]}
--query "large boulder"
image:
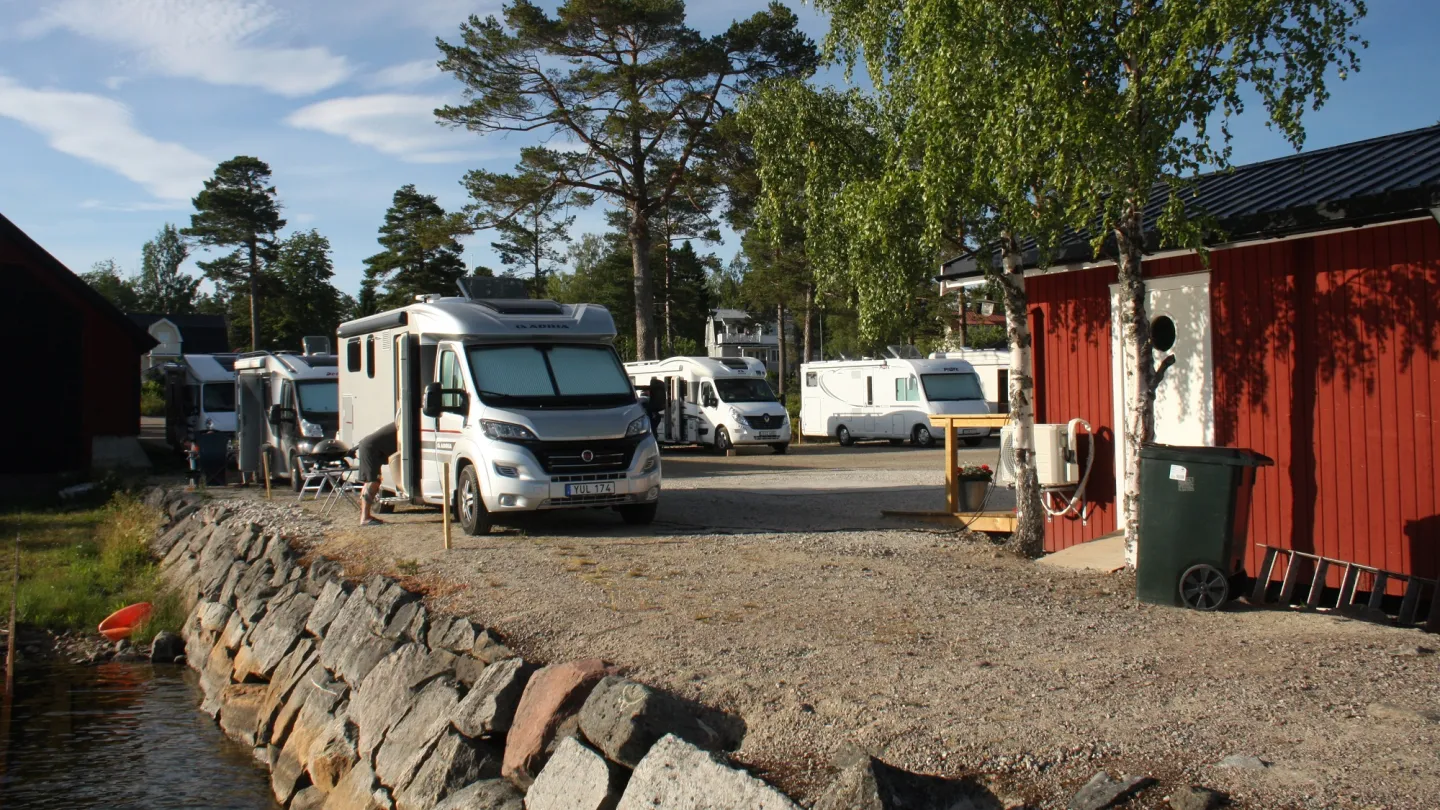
{"points": [[166, 647], [487, 794], [388, 597], [873, 785], [358, 790], [575, 778], [296, 666], [453, 762], [332, 755], [239, 707], [489, 707], [313, 706], [328, 605], [676, 775], [214, 677], [488, 647], [623, 719], [407, 742], [311, 798], [553, 695], [390, 689], [455, 634], [277, 633], [349, 647], [1103, 791]]}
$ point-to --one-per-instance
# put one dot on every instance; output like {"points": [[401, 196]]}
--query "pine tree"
{"points": [[161, 286], [421, 253], [105, 278], [309, 303]]}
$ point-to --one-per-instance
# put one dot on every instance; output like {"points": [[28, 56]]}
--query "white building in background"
{"points": [[736, 333]]}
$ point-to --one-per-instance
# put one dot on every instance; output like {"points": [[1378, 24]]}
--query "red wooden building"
{"points": [[71, 396], [1312, 335]]}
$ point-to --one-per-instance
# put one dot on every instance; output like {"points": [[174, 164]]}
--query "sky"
{"points": [[113, 112]]}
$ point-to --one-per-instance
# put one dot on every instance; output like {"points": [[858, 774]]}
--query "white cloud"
{"points": [[406, 74], [397, 124], [102, 131], [211, 40], [129, 208], [116, 82]]}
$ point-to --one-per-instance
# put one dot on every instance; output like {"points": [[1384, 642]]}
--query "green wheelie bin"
{"points": [[1194, 506]]}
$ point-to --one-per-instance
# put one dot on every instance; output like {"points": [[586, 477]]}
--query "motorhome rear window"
{"points": [[352, 355], [550, 374], [219, 397], [951, 387]]}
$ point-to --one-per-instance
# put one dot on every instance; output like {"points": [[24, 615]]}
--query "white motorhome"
{"points": [[993, 367], [526, 401], [720, 402], [199, 395], [285, 404], [888, 398]]}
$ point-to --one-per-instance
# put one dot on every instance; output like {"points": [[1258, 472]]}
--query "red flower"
{"points": [[985, 467]]}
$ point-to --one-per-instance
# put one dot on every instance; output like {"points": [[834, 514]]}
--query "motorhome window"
{"points": [[370, 356], [451, 378], [319, 397], [352, 355], [951, 387], [811, 379], [219, 397], [745, 389], [869, 390], [557, 375], [907, 389]]}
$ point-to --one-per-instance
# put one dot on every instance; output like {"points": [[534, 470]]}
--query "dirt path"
{"points": [[936, 652]]}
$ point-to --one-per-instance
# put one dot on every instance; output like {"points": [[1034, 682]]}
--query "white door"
{"points": [[1179, 312]]}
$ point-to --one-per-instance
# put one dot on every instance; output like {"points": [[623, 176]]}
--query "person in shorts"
{"points": [[372, 454]]}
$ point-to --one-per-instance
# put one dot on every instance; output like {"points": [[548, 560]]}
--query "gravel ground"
{"points": [[828, 630]]}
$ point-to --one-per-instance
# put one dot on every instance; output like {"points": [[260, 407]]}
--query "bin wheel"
{"points": [[1204, 587]]}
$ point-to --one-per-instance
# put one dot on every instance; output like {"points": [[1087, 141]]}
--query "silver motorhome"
{"points": [[719, 402], [286, 403], [199, 396], [525, 401]]}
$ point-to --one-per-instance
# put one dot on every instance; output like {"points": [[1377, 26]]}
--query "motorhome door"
{"points": [[250, 414], [675, 411], [440, 433]]}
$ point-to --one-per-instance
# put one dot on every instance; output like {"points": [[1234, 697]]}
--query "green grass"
{"points": [[78, 566]]}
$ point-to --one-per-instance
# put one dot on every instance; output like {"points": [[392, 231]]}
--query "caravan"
{"points": [[993, 368], [199, 396], [721, 402], [501, 406], [888, 398], [286, 404]]}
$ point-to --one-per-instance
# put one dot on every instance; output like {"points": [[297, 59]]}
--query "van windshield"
{"points": [[219, 397], [319, 398], [744, 390], [951, 387], [550, 376]]}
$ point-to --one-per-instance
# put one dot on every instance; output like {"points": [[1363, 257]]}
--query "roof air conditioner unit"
{"points": [[1055, 463]]}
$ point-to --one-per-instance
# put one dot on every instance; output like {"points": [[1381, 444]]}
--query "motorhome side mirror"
{"points": [[277, 414], [432, 401]]}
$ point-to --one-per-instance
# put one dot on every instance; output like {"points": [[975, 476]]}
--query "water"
{"points": [[121, 736]]}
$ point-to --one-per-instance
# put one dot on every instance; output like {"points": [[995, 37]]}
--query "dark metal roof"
{"points": [[41, 258], [201, 334], [1361, 183]]}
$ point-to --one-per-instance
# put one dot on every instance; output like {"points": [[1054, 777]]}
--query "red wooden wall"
{"points": [[1327, 357]]}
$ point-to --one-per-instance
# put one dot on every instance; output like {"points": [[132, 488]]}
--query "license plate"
{"points": [[767, 436], [603, 488]]}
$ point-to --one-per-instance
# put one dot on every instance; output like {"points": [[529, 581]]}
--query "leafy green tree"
{"points": [[529, 216], [162, 287], [601, 275], [308, 304], [630, 85], [421, 253], [238, 209], [686, 293], [105, 278]]}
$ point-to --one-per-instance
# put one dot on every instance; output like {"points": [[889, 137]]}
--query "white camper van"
{"points": [[721, 402], [889, 398], [525, 400], [285, 404], [993, 367], [199, 394]]}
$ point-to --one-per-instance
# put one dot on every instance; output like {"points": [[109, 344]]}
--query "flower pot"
{"points": [[972, 493]]}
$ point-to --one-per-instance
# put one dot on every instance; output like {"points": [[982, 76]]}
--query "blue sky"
{"points": [[112, 112]]}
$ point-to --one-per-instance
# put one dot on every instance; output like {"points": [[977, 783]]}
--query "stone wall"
{"points": [[357, 697]]}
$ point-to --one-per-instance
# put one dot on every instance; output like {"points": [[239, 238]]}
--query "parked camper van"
{"points": [[993, 367], [721, 402], [199, 393], [889, 398], [526, 401], [286, 403]]}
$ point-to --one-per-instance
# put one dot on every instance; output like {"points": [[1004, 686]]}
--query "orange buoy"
{"points": [[123, 622]]}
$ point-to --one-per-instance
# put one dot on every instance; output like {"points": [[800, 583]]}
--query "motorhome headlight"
{"points": [[737, 416], [639, 427], [311, 430], [304, 448], [506, 432], [650, 464]]}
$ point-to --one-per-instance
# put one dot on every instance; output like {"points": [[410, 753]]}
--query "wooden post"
{"points": [[265, 471], [952, 474], [445, 500]]}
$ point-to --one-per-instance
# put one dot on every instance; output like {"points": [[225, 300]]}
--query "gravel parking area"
{"points": [[771, 587]]}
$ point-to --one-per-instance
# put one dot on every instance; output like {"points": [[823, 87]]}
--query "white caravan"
{"points": [[285, 404], [721, 402], [888, 398], [993, 367], [199, 395], [526, 401]]}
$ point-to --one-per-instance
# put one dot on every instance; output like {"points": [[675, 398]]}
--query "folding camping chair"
{"points": [[342, 486]]}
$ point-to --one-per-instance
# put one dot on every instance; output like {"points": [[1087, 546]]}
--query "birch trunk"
{"points": [[1135, 347], [1029, 536]]}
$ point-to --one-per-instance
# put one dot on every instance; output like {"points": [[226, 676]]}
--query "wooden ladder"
{"points": [[1415, 587]]}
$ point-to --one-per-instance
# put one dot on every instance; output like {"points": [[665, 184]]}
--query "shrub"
{"points": [[152, 398]]}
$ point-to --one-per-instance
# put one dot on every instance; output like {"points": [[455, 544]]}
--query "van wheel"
{"points": [[297, 478], [921, 436], [722, 440], [973, 441], [470, 510], [638, 514], [842, 435]]}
